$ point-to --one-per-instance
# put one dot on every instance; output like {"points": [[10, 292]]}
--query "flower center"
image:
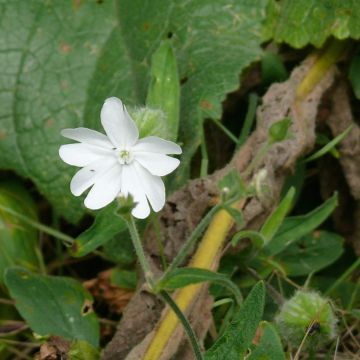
{"points": [[125, 157]]}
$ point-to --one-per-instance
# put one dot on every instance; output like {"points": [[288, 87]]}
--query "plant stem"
{"points": [[226, 131], [249, 119], [139, 250], [187, 327]]}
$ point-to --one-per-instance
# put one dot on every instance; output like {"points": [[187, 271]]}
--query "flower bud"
{"points": [[150, 122], [307, 312]]}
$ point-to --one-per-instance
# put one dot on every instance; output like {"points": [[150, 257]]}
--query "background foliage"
{"points": [[59, 60]]}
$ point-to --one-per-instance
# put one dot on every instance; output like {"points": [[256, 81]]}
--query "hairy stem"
{"points": [[139, 250]]}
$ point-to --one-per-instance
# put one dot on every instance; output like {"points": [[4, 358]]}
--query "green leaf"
{"points": [[125, 279], [120, 249], [272, 69], [182, 277], [82, 350], [50, 61], [105, 227], [274, 221], [279, 130], [231, 186], [236, 214], [330, 145], [256, 238], [269, 347], [18, 240], [164, 88], [303, 22], [311, 253], [53, 305], [354, 74], [295, 227], [237, 338]]}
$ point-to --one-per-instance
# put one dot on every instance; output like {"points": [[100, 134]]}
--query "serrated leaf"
{"points": [[53, 305], [18, 240], [182, 277], [237, 338], [63, 61], [269, 347], [105, 227], [311, 253], [295, 227], [303, 22]]}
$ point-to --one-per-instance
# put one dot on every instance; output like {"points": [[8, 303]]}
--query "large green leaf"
{"points": [[65, 58], [53, 305], [235, 341], [303, 22], [48, 62], [311, 254], [18, 241]]}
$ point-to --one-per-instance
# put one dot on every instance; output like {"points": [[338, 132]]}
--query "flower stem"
{"points": [[187, 327], [139, 250]]}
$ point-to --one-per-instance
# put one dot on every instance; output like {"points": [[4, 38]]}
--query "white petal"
{"points": [[157, 164], [119, 126], [87, 176], [105, 189], [132, 184], [81, 154], [157, 145], [87, 136], [153, 186]]}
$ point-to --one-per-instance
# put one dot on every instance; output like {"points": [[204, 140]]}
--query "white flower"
{"points": [[119, 163]]}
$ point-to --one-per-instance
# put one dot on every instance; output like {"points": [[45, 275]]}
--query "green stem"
{"points": [[249, 119], [139, 250], [350, 270], [226, 131], [191, 240], [68, 240], [259, 156], [187, 327]]}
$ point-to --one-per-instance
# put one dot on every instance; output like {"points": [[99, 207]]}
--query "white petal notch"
{"points": [[119, 163]]}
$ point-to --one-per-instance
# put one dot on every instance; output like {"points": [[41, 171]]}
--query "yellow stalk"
{"points": [[203, 258], [324, 61], [216, 234]]}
